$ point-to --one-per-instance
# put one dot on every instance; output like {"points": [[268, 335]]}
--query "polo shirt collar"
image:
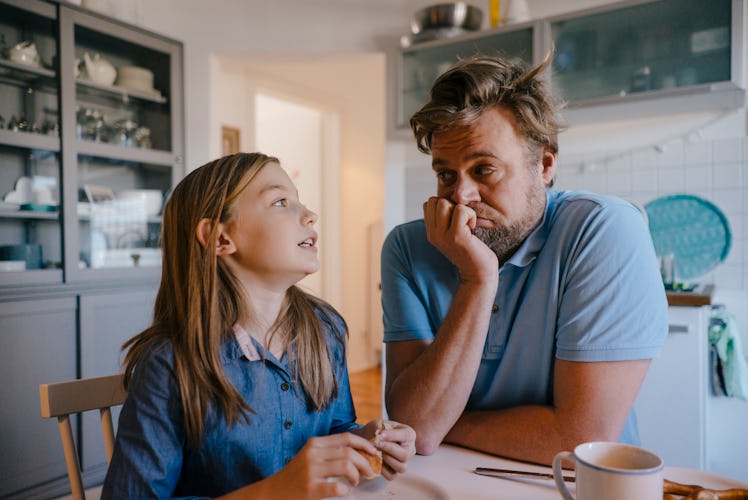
{"points": [[533, 244]]}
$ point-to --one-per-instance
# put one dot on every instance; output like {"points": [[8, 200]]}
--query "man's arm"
{"points": [[423, 388], [591, 403], [429, 382]]}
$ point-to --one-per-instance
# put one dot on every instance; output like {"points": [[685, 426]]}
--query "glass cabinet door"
{"points": [[30, 229], [420, 66], [119, 212], [125, 88], [655, 46]]}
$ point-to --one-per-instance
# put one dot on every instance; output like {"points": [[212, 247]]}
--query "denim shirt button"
{"points": [[285, 386], [494, 308], [287, 424]]}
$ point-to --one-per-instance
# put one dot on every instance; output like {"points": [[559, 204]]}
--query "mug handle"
{"points": [[558, 476]]}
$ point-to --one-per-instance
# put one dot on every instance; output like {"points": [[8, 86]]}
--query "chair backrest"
{"points": [[63, 399]]}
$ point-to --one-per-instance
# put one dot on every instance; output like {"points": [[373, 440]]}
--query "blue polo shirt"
{"points": [[583, 286], [151, 459]]}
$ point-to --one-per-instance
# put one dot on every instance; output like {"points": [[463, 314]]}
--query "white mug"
{"points": [[613, 471]]}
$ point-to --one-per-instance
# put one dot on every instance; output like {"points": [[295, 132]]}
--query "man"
{"points": [[518, 320]]}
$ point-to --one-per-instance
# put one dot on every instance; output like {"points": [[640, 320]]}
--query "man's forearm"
{"points": [[527, 433], [430, 393]]}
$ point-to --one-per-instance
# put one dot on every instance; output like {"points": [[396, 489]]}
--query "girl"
{"points": [[240, 386]]}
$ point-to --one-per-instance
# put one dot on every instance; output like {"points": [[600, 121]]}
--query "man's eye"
{"points": [[445, 177], [281, 203], [484, 170]]}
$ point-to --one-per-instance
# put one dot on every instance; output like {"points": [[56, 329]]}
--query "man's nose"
{"points": [[465, 191]]}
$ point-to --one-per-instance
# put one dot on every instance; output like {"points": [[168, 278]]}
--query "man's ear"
{"points": [[224, 243], [548, 162]]}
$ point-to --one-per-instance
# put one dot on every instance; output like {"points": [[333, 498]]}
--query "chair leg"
{"points": [[107, 428], [71, 458]]}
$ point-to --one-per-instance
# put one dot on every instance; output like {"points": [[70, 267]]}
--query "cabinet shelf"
{"points": [[115, 152], [25, 74], [120, 94], [29, 214], [29, 140], [30, 277]]}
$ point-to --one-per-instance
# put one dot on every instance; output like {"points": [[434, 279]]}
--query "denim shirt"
{"points": [[151, 458]]}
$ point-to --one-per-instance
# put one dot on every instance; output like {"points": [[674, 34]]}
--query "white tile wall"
{"points": [[715, 169]]}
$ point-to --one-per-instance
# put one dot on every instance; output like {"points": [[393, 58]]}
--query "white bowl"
{"points": [[151, 199], [12, 265]]}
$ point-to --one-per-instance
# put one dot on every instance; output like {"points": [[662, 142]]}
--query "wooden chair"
{"points": [[63, 399]]}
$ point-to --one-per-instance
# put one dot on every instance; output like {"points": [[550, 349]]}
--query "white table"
{"points": [[450, 469]]}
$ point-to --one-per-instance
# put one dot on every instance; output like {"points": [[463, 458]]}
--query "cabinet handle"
{"points": [[677, 329]]}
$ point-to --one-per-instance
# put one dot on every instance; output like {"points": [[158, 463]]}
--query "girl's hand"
{"points": [[310, 474], [396, 441]]}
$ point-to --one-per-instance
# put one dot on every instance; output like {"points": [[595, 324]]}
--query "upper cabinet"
{"points": [[123, 88], [91, 142], [687, 54], [30, 166], [422, 63]]}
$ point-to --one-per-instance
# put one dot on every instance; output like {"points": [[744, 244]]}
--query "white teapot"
{"points": [[24, 53], [97, 69]]}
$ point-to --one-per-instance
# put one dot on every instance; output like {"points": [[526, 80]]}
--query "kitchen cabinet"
{"points": [[38, 344], [125, 145], [107, 320], [421, 64], [85, 164], [611, 60], [671, 407], [29, 142], [679, 417], [686, 53], [86, 160]]}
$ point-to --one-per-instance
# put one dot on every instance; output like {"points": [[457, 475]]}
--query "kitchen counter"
{"points": [[701, 296]]}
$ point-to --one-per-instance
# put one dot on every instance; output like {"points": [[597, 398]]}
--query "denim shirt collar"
{"points": [[243, 345]]}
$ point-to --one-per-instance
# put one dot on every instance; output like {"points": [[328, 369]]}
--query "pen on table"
{"points": [[508, 473]]}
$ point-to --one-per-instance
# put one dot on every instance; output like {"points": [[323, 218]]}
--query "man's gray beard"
{"points": [[503, 241]]}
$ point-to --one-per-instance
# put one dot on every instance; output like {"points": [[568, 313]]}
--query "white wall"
{"points": [[329, 49]]}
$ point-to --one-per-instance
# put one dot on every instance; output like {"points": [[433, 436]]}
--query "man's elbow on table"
{"points": [[427, 440]]}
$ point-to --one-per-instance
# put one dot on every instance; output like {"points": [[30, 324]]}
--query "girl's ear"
{"points": [[224, 244]]}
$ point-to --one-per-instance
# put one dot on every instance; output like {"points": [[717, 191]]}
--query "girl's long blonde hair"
{"points": [[199, 301]]}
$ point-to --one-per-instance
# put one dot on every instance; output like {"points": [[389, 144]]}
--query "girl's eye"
{"points": [[281, 203]]}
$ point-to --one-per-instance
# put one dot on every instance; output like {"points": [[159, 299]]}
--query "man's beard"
{"points": [[504, 240]]}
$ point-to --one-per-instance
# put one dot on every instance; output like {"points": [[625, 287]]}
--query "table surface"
{"points": [[449, 471]]}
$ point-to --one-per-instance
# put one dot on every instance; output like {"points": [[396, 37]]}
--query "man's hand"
{"points": [[449, 227]]}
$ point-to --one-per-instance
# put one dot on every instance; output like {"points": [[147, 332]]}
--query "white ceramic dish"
{"points": [[151, 200], [403, 487], [135, 78], [12, 265]]}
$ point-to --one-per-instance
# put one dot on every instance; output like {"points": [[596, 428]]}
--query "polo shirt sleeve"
{"points": [[613, 305], [405, 314]]}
